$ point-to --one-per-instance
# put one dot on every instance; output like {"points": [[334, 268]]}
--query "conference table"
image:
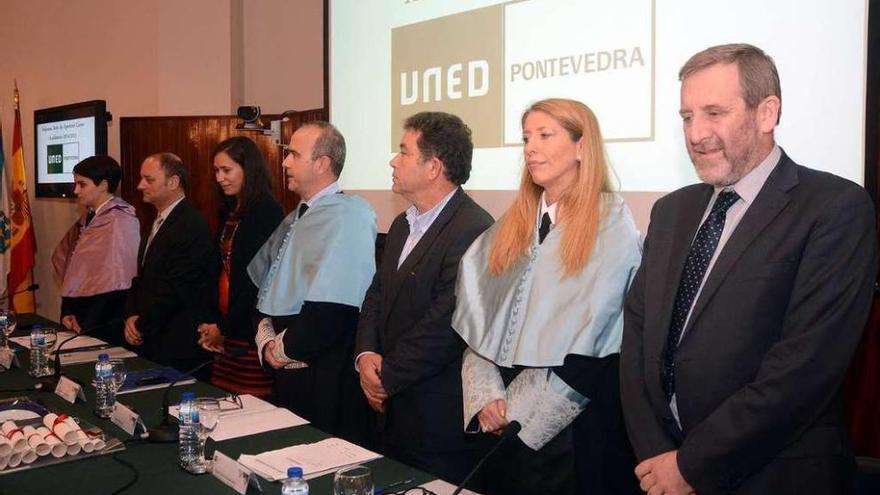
{"points": [[155, 463]]}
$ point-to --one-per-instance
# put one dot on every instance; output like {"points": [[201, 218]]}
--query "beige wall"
{"points": [[147, 57], [283, 55], [195, 57]]}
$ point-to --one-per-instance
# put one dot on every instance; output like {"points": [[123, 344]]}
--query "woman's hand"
{"points": [[70, 323], [493, 417], [210, 337]]}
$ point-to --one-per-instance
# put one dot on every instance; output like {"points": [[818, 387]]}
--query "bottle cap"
{"points": [[295, 472], [187, 396], [103, 357]]}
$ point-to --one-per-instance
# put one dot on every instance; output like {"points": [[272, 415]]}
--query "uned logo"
{"points": [[451, 64], [435, 80]]}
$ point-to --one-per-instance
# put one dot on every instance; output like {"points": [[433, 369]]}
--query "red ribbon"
{"points": [[60, 419], [13, 432]]}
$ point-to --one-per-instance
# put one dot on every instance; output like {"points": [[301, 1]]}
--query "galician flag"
{"points": [[5, 227]]}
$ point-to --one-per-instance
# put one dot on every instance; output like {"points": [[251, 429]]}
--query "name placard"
{"points": [[69, 390], [124, 418], [6, 357], [232, 474]]}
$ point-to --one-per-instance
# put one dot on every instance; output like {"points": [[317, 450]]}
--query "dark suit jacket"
{"points": [[406, 318], [169, 292], [254, 227], [759, 368]]}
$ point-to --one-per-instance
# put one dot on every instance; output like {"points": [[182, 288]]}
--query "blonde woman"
{"points": [[539, 304]]}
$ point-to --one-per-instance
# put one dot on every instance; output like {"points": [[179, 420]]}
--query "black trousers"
{"points": [[516, 469], [448, 466]]}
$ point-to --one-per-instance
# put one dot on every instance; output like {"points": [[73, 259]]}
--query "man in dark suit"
{"points": [[175, 268], [408, 356], [751, 297]]}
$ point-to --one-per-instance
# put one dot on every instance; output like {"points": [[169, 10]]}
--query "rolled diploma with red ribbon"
{"points": [[60, 427], [36, 441], [84, 441], [15, 436], [59, 448], [99, 443], [5, 447], [28, 456], [74, 449]]}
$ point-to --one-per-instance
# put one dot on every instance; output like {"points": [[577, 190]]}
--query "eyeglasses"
{"points": [[230, 403], [412, 491]]}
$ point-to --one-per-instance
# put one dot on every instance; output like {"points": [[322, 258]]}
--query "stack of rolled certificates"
{"points": [[58, 436]]}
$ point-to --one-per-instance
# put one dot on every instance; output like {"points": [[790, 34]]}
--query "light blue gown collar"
{"points": [[533, 316], [325, 256]]}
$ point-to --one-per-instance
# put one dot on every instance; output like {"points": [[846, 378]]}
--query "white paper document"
{"points": [[316, 459], [255, 416], [79, 342], [441, 487], [253, 423], [92, 356]]}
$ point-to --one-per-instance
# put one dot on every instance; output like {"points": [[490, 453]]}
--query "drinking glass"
{"points": [[51, 338], [3, 324], [354, 480], [11, 321], [209, 416], [119, 373]]}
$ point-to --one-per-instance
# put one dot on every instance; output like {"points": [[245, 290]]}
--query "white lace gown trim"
{"points": [[537, 398]]}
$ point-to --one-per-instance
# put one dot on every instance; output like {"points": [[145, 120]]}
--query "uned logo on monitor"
{"points": [[55, 158]]}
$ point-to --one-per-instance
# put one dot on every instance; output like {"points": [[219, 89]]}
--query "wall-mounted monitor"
{"points": [[63, 137]]}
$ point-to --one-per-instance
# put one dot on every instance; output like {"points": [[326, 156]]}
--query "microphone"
{"points": [[29, 288], [510, 430], [57, 351], [166, 432]]}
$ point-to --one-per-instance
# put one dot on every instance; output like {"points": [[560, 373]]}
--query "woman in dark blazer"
{"points": [[248, 217]]}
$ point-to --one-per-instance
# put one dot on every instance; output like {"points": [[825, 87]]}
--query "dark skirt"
{"points": [[243, 374]]}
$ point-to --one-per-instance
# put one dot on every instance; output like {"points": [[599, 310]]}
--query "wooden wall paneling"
{"points": [[193, 138]]}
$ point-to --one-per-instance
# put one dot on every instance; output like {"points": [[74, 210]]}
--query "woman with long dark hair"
{"points": [[248, 215]]}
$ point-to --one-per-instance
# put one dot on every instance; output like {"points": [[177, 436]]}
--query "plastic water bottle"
{"points": [[295, 484], [39, 359], [105, 390], [188, 418]]}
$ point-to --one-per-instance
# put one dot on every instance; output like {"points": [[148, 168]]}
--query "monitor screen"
{"points": [[63, 137]]}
